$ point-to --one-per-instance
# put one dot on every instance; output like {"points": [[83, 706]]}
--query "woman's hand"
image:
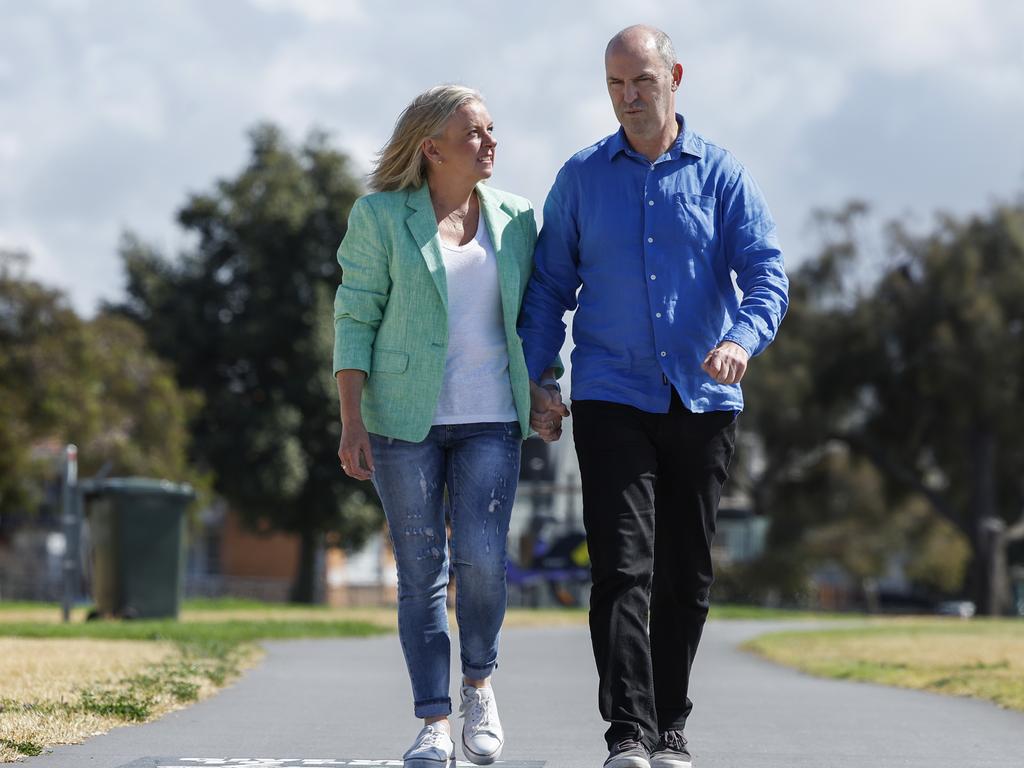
{"points": [[354, 451]]}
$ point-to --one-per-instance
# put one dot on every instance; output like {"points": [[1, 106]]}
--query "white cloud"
{"points": [[316, 10], [10, 147], [111, 113]]}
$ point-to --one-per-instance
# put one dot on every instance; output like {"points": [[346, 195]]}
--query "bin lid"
{"points": [[136, 486]]}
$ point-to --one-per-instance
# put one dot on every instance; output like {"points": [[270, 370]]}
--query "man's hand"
{"points": [[726, 363], [354, 451], [546, 412]]}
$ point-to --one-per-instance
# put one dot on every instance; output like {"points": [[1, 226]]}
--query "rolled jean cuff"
{"points": [[478, 673], [433, 707]]}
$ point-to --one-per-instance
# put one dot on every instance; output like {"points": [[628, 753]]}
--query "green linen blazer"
{"points": [[391, 309]]}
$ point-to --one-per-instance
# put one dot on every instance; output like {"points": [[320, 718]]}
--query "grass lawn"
{"points": [[65, 682], [982, 658]]}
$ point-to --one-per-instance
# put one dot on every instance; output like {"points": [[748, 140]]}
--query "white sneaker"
{"points": [[482, 736], [433, 748]]}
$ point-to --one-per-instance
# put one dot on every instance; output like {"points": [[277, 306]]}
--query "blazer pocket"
{"points": [[389, 361]]}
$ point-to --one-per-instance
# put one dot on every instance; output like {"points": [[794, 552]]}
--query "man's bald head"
{"points": [[641, 37]]}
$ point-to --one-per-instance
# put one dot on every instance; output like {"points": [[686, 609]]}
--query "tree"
{"points": [[93, 383], [945, 417], [246, 316], [920, 372]]}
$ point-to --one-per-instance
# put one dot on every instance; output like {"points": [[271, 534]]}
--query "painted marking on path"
{"points": [[297, 762]]}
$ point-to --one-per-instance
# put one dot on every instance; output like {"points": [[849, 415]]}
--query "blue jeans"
{"points": [[478, 465]]}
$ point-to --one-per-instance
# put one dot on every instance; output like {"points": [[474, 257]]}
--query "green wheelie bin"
{"points": [[137, 530]]}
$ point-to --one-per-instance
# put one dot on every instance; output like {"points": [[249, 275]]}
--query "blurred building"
{"points": [[229, 558]]}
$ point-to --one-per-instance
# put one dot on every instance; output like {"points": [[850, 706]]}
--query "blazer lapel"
{"points": [[497, 220], [423, 226]]}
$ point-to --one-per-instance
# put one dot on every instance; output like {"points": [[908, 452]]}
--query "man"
{"points": [[650, 224]]}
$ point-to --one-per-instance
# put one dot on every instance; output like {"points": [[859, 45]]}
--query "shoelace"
{"points": [[433, 738], [476, 712], [674, 740], [627, 744]]}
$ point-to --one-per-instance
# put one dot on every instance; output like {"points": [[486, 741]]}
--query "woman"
{"points": [[435, 396]]}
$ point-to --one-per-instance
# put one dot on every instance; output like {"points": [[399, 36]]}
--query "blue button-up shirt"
{"points": [[651, 248]]}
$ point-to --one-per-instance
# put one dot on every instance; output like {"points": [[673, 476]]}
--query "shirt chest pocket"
{"points": [[696, 218]]}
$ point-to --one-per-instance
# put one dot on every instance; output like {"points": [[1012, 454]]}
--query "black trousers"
{"points": [[645, 474]]}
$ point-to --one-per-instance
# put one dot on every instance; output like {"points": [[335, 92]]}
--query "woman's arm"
{"points": [[354, 451], [358, 308]]}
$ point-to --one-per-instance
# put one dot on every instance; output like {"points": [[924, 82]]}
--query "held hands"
{"points": [[726, 363], [546, 412], [354, 451]]}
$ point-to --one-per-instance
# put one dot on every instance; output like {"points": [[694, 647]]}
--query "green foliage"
{"points": [[120, 703], [89, 382], [29, 748], [889, 408], [246, 316]]}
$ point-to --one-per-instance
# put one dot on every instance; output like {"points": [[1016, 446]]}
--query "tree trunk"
{"points": [[304, 588], [983, 514]]}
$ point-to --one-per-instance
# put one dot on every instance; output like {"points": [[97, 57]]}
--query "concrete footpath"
{"points": [[333, 702]]}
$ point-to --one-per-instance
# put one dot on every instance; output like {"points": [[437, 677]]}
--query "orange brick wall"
{"points": [[254, 555]]}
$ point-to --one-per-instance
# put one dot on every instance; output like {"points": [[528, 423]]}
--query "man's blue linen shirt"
{"points": [[651, 247]]}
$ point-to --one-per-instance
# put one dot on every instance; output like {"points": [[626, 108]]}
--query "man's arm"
{"points": [[752, 252], [554, 281]]}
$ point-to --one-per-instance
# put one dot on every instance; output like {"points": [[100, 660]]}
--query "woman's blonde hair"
{"points": [[400, 163]]}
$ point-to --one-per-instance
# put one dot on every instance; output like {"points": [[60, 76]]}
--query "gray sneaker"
{"points": [[671, 751], [628, 753], [433, 748], [482, 735]]}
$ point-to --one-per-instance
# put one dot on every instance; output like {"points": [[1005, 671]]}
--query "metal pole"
{"points": [[68, 521]]}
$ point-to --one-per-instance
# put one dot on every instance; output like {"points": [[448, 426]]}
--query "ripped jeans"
{"points": [[478, 464]]}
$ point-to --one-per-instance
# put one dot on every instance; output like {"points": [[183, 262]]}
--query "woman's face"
{"points": [[465, 148]]}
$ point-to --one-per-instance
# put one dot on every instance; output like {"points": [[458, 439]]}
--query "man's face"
{"points": [[641, 87]]}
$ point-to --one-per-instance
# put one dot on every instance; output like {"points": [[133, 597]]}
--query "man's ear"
{"points": [[677, 75]]}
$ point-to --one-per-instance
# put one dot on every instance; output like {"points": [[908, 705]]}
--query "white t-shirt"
{"points": [[476, 385]]}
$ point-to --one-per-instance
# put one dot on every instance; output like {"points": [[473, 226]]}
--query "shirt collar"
{"points": [[686, 143]]}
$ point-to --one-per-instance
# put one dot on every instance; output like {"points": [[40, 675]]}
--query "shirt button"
{"points": [[650, 239], [650, 202], [657, 314], [664, 354], [654, 277]]}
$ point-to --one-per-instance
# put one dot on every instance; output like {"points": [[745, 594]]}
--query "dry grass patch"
{"points": [[26, 730], [53, 670], [983, 659], [383, 617], [39, 613], [61, 691]]}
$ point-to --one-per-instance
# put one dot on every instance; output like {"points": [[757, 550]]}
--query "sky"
{"points": [[112, 113]]}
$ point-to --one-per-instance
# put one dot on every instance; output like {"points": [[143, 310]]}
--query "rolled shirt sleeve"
{"points": [[365, 285], [752, 250]]}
